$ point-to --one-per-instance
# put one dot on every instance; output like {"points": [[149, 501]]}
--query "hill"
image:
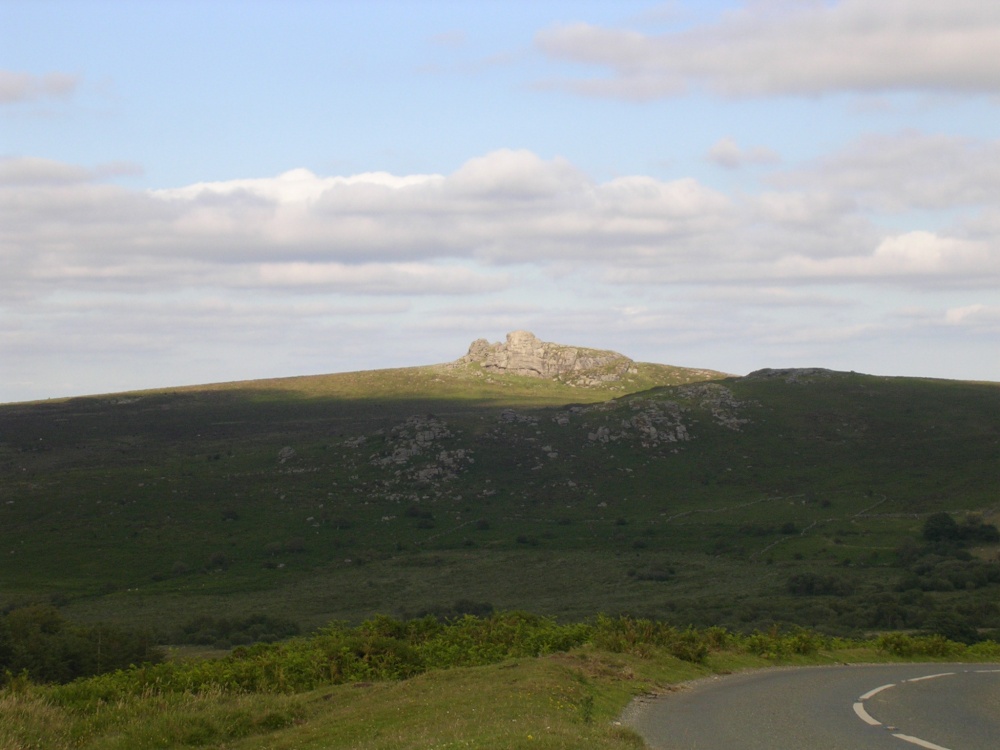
{"points": [[560, 480]]}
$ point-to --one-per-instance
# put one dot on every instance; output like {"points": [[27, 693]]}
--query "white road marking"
{"points": [[929, 677], [876, 691], [859, 709], [919, 742]]}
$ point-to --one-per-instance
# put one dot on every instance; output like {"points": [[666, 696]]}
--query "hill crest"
{"points": [[525, 354]]}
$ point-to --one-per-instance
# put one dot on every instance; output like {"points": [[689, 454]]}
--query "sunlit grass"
{"points": [[563, 700]]}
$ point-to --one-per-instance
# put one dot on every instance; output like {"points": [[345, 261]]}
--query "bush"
{"points": [[462, 607], [206, 630], [901, 644], [655, 572], [985, 650], [639, 636], [801, 641], [940, 527], [813, 584], [773, 643]]}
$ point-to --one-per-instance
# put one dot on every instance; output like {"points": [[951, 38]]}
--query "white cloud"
{"points": [[805, 48], [505, 207], [16, 86], [906, 171], [776, 297], [819, 335], [293, 186], [370, 278], [514, 175], [806, 208], [31, 171], [974, 315], [727, 153], [26, 171], [379, 233], [923, 257]]}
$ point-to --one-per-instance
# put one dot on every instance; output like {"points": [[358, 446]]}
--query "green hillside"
{"points": [[788, 496]]}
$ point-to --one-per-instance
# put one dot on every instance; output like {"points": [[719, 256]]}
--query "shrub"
{"points": [[940, 527], [658, 572], [813, 584], [207, 630], [180, 568], [901, 644], [767, 645], [802, 641], [985, 650], [773, 643], [639, 636]]}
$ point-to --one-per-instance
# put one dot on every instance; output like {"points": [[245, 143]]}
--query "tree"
{"points": [[941, 527], [38, 640]]}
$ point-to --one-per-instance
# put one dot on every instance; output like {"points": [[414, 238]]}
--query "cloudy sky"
{"points": [[195, 191]]}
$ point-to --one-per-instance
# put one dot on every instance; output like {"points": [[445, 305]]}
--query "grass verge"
{"points": [[542, 685]]}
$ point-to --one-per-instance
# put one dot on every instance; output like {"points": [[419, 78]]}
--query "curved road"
{"points": [[890, 706]]}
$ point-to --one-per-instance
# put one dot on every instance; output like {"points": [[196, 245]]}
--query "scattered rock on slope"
{"points": [[793, 374]]}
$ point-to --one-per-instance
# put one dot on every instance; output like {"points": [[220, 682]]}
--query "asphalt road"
{"points": [[933, 706]]}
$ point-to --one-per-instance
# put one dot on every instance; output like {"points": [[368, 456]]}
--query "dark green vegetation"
{"points": [[796, 497], [240, 515], [41, 644], [506, 681]]}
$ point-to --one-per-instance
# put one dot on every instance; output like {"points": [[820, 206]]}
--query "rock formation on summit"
{"points": [[525, 354]]}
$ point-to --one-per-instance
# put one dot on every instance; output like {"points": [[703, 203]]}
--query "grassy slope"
{"points": [[167, 504], [558, 701], [563, 701], [74, 470]]}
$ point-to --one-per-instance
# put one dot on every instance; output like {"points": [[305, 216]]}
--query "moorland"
{"points": [[852, 505]]}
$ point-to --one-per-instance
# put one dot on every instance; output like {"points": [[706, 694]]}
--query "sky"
{"points": [[198, 191]]}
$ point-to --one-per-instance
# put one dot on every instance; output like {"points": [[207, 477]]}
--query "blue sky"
{"points": [[196, 192]]}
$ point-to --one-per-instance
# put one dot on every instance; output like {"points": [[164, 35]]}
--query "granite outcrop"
{"points": [[525, 354]]}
